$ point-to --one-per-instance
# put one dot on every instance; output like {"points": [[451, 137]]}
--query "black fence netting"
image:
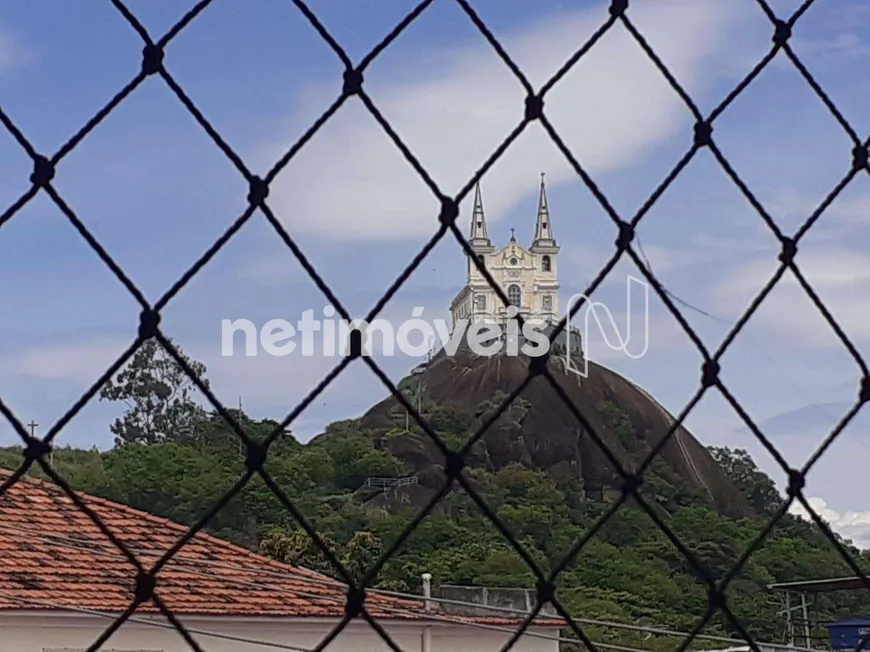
{"points": [[616, 16]]}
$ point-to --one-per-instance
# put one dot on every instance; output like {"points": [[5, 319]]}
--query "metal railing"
{"points": [[391, 483]]}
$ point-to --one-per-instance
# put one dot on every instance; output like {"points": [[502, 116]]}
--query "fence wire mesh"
{"points": [[616, 16]]}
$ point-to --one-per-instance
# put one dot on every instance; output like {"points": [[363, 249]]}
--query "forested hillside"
{"points": [[174, 460]]}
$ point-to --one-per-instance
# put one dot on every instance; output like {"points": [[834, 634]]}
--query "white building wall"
{"points": [[44, 632]]}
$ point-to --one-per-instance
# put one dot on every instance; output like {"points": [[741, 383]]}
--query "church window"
{"points": [[514, 294], [481, 302], [548, 302], [480, 258], [513, 261], [546, 263]]}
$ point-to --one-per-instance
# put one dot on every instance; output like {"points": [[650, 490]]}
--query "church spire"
{"points": [[479, 235], [543, 227]]}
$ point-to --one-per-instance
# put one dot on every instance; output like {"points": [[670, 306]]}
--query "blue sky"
{"points": [[156, 192]]}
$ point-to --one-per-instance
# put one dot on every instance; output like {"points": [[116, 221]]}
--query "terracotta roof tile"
{"points": [[53, 556]]}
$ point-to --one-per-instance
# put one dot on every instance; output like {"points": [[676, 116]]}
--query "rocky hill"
{"points": [[541, 433]]}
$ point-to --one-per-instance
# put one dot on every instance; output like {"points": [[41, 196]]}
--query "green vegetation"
{"points": [[629, 571]]}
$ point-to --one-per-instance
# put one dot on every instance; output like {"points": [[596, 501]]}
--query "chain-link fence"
{"points": [[617, 16]]}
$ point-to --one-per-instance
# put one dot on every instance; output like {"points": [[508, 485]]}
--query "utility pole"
{"points": [[418, 372], [32, 425], [241, 444]]}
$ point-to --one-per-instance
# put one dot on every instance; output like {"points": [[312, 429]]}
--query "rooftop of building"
{"points": [[55, 557]]}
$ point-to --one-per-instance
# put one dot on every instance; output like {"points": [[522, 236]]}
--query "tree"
{"points": [[295, 547], [175, 481], [355, 459], [619, 422], [214, 432], [756, 486], [159, 397], [361, 553]]}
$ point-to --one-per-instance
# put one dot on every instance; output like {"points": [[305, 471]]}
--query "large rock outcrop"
{"points": [[539, 431]]}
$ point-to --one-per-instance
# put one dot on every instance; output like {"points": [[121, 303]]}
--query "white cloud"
{"points": [[839, 275], [834, 51], [826, 37], [274, 270], [82, 363], [850, 525], [703, 251], [267, 385], [12, 52], [350, 182], [723, 275], [6, 52], [78, 363], [790, 207]]}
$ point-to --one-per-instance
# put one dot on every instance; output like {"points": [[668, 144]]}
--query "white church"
{"points": [[527, 275]]}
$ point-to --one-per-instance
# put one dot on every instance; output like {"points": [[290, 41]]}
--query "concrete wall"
{"points": [[51, 632]]}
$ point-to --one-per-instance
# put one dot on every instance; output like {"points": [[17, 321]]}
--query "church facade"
{"points": [[528, 276]]}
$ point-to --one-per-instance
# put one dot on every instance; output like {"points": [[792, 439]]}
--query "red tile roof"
{"points": [[53, 556]]}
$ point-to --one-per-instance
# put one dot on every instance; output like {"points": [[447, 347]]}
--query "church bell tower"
{"points": [[527, 276]]}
